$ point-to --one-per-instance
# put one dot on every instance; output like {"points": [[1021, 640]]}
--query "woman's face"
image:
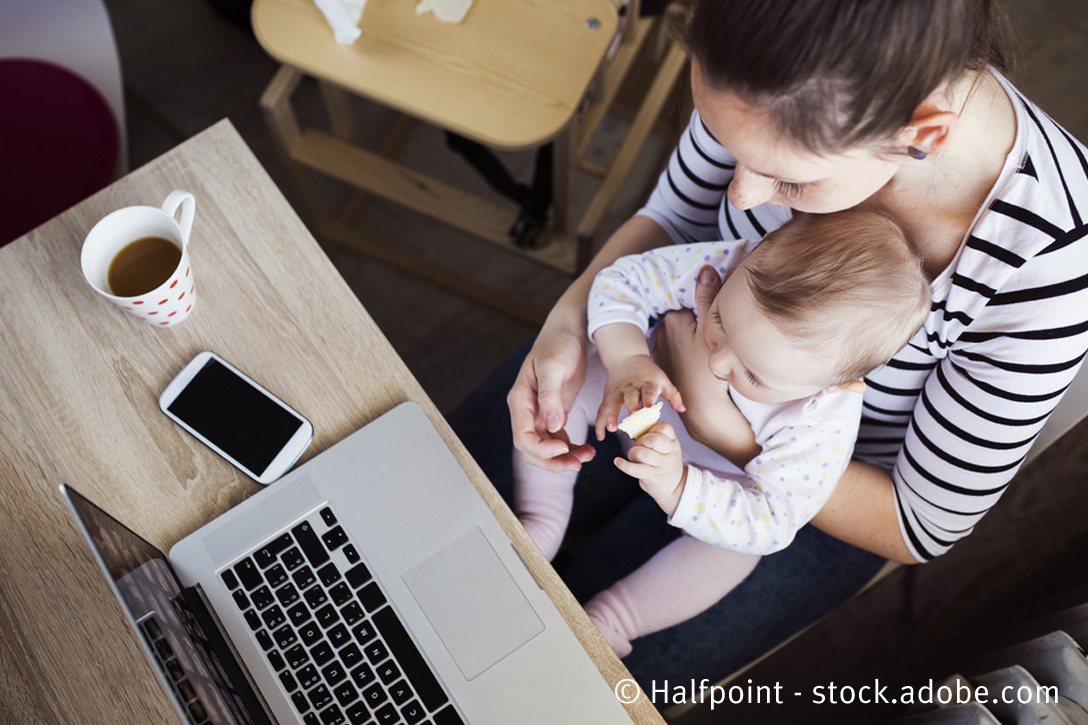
{"points": [[772, 169]]}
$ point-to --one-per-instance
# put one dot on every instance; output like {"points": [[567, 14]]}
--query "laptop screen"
{"points": [[168, 624]]}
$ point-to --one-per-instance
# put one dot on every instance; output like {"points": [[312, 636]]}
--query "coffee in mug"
{"points": [[138, 258]]}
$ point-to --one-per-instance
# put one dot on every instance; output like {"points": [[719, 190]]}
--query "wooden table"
{"points": [[78, 404], [513, 75]]}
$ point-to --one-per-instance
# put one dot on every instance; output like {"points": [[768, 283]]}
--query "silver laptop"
{"points": [[370, 585]]}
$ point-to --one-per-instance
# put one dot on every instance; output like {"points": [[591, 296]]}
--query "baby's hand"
{"points": [[657, 462], [634, 383]]}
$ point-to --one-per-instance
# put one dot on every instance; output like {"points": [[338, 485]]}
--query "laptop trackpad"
{"points": [[473, 603]]}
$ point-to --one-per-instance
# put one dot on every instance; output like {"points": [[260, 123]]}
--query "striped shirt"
{"points": [[952, 416]]}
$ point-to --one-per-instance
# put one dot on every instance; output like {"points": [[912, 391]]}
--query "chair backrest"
{"points": [[75, 34]]}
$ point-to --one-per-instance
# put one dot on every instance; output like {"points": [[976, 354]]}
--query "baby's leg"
{"points": [[680, 581], [542, 499]]}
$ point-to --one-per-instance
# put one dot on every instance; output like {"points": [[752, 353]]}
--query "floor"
{"points": [[186, 67]]}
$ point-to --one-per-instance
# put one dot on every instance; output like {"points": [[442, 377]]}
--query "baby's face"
{"points": [[748, 351]]}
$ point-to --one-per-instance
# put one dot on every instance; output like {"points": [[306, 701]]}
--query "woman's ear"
{"points": [[929, 129]]}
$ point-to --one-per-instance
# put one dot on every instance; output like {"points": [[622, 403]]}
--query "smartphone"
{"points": [[236, 417]]}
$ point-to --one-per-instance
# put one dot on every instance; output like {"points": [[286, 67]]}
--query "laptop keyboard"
{"points": [[324, 624]]}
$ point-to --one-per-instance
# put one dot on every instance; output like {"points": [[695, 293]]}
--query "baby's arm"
{"points": [[634, 379]]}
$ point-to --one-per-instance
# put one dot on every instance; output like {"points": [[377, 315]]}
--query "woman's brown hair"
{"points": [[839, 74]]}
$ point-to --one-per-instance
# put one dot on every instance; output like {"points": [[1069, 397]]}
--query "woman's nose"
{"points": [[748, 189]]}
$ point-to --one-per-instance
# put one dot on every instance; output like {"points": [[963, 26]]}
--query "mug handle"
{"points": [[187, 202]]}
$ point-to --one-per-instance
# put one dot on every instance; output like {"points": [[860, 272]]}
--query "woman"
{"points": [[816, 106]]}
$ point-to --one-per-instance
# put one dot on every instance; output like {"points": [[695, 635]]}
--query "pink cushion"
{"points": [[58, 143]]}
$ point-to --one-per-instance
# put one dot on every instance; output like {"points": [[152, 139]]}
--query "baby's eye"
{"points": [[717, 317], [789, 189], [752, 378]]}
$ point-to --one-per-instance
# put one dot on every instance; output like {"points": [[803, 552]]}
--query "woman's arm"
{"points": [[861, 511], [554, 370]]}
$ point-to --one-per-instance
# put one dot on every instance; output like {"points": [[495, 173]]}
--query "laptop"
{"points": [[370, 585]]}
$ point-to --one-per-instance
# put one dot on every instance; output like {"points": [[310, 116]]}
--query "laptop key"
{"points": [[248, 572], [273, 617], [288, 681], [334, 538], [276, 660], [284, 636], [304, 577], [371, 597], [276, 575], [240, 599], [375, 695], [287, 595], [447, 716], [333, 716], [339, 636], [292, 558], [358, 713], [334, 673], [262, 597], [413, 712], [352, 613], [320, 697], [311, 545], [400, 692], [329, 574], [315, 597], [322, 653], [416, 669], [265, 640], [364, 632], [253, 620], [387, 715], [311, 718], [328, 616], [266, 556], [308, 676], [363, 675], [297, 656], [388, 672], [351, 655], [351, 554], [298, 614], [346, 693], [358, 575], [310, 634], [229, 579], [376, 652], [301, 703], [328, 516]]}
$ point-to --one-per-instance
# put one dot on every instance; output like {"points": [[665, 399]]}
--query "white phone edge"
{"points": [[287, 456]]}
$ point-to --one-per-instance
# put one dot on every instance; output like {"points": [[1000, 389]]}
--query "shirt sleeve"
{"points": [[761, 510], [637, 287], [688, 197]]}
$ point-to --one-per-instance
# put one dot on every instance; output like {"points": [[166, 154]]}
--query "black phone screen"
{"points": [[238, 418]]}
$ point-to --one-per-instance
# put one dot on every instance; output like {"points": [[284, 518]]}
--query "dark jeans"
{"points": [[614, 529]]}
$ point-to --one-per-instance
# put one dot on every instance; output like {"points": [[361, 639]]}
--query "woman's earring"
{"points": [[916, 153]]}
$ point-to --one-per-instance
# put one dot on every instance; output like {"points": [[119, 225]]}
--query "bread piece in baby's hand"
{"points": [[641, 420]]}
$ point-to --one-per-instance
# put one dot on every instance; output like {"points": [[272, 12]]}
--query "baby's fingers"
{"points": [[634, 470], [608, 414], [672, 396]]}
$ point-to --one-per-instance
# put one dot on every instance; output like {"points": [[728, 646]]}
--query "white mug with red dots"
{"points": [[138, 258]]}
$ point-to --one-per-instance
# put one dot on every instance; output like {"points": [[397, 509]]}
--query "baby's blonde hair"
{"points": [[846, 283]]}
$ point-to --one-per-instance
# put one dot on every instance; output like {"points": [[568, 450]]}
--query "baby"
{"points": [[815, 306]]}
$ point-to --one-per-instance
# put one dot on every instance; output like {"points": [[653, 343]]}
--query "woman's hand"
{"points": [[681, 350], [543, 393]]}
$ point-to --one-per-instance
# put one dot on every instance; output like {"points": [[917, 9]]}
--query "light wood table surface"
{"points": [[78, 404]]}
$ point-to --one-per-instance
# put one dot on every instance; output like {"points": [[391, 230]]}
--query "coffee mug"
{"points": [[129, 258]]}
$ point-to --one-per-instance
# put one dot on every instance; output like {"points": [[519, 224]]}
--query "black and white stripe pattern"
{"points": [[954, 414]]}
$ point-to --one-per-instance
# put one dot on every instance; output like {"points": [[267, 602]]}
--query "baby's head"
{"points": [[819, 302]]}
